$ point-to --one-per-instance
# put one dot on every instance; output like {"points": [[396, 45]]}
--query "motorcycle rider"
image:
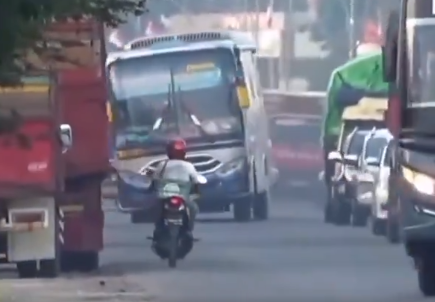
{"points": [[177, 168]]}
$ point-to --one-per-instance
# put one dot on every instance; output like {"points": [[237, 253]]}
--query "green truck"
{"points": [[358, 79]]}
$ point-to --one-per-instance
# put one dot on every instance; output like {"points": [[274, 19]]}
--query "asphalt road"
{"points": [[292, 257]]}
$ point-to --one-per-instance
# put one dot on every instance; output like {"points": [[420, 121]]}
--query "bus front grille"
{"points": [[203, 163]]}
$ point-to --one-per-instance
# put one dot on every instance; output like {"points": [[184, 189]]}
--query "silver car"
{"points": [[373, 187]]}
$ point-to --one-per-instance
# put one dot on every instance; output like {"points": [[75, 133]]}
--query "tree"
{"points": [[23, 21]]}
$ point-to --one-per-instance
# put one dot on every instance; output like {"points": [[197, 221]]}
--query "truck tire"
{"points": [[88, 261], [67, 261], [50, 268], [80, 261], [426, 276], [27, 269]]}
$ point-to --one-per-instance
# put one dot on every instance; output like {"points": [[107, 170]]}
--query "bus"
{"points": [[204, 88]]}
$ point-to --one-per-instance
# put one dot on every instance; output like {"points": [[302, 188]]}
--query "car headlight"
{"points": [[233, 166], [421, 182]]}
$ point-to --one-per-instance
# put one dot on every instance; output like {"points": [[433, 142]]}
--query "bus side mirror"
{"points": [[243, 96], [66, 137]]}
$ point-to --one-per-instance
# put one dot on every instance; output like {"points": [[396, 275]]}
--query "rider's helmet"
{"points": [[176, 149]]}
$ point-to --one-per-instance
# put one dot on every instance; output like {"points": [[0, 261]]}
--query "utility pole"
{"points": [[289, 46], [352, 29]]}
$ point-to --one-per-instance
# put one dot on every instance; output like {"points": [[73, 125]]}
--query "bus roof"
{"points": [[198, 41]]}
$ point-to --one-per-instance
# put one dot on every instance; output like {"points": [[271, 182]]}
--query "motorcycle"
{"points": [[174, 240]]}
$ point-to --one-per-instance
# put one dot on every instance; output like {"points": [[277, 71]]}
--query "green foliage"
{"points": [[22, 21]]}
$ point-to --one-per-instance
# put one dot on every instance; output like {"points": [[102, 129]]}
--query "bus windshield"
{"points": [[421, 39], [174, 87]]}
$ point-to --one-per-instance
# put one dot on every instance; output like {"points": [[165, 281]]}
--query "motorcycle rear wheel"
{"points": [[173, 246]]}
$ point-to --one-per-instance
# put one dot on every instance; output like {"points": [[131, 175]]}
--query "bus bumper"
{"points": [[220, 192]]}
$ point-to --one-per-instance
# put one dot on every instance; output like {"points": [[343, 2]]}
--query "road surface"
{"points": [[291, 257]]}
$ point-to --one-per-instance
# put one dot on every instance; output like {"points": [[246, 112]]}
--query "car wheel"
{"points": [[327, 213], [27, 269], [378, 226], [343, 214], [359, 216], [328, 210], [393, 232]]}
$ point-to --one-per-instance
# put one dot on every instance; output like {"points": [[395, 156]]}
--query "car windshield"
{"points": [[178, 88], [356, 143], [375, 147]]}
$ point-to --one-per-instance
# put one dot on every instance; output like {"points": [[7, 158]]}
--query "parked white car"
{"points": [[374, 184]]}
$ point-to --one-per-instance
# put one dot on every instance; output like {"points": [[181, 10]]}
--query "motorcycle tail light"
{"points": [[177, 201]]}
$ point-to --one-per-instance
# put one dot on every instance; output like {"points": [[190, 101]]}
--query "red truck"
{"points": [[295, 121], [54, 155]]}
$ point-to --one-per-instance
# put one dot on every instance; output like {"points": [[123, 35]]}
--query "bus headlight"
{"points": [[421, 182], [424, 184], [231, 167]]}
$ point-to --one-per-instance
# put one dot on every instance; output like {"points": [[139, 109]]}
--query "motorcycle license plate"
{"points": [[174, 216], [177, 221]]}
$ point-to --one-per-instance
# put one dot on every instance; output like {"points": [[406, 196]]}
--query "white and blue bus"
{"points": [[204, 88]]}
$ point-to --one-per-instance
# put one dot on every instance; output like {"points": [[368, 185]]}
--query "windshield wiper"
{"points": [[195, 120], [183, 106], [159, 121]]}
